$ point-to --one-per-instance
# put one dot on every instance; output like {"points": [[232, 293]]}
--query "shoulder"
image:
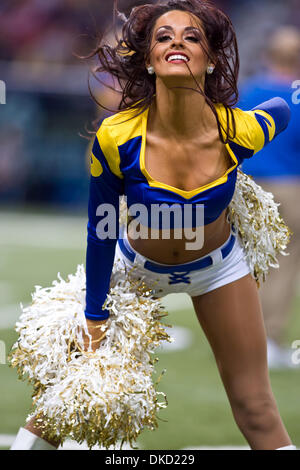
{"points": [[121, 127], [115, 131]]}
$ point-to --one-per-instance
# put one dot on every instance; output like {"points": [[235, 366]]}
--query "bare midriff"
{"points": [[173, 251], [184, 164]]}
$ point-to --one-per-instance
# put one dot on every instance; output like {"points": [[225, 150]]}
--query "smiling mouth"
{"points": [[177, 59]]}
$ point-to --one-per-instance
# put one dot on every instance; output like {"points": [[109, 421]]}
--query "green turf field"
{"points": [[33, 250]]}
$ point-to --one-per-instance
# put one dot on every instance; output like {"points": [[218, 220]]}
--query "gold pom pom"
{"points": [[104, 397], [261, 228]]}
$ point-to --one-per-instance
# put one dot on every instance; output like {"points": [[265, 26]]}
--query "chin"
{"points": [[179, 78]]}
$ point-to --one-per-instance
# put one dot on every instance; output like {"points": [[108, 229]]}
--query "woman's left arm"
{"points": [[265, 122], [273, 116]]}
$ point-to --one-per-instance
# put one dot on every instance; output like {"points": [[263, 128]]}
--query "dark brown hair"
{"points": [[126, 60]]}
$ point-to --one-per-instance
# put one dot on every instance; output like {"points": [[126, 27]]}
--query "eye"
{"points": [[193, 38], [163, 38]]}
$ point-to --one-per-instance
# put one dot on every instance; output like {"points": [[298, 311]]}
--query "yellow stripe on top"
{"points": [[96, 167], [186, 194], [116, 130], [109, 149], [257, 132], [125, 125], [246, 127]]}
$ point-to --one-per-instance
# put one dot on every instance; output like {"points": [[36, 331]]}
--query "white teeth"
{"points": [[178, 57]]}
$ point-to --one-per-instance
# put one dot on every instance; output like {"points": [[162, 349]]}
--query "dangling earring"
{"points": [[210, 69], [151, 70]]}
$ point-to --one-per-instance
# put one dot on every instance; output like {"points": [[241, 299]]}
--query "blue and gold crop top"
{"points": [[118, 168]]}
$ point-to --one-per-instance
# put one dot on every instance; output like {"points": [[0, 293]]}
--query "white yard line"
{"points": [[6, 440], [9, 314]]}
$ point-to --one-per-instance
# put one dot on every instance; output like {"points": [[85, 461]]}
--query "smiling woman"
{"points": [[177, 140], [205, 26], [189, 34]]}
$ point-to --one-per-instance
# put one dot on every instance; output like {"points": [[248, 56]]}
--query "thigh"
{"points": [[231, 317]]}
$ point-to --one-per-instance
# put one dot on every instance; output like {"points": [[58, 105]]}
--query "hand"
{"points": [[96, 333]]}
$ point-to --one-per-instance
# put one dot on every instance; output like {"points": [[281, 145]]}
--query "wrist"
{"points": [[95, 323]]}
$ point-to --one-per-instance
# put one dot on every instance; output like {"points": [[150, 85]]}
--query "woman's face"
{"points": [[178, 32]]}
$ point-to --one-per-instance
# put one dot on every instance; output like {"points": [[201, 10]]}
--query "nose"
{"points": [[177, 41]]}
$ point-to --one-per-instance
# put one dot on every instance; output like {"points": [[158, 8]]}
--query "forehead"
{"points": [[178, 19]]}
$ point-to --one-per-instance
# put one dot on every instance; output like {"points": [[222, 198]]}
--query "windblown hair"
{"points": [[125, 61]]}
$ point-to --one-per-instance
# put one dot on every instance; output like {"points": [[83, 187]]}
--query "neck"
{"points": [[181, 113]]}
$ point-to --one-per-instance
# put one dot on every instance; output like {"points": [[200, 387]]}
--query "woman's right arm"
{"points": [[106, 185]]}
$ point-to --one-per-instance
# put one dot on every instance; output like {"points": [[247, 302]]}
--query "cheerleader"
{"points": [[177, 140]]}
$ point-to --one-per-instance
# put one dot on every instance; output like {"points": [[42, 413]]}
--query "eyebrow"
{"points": [[188, 28]]}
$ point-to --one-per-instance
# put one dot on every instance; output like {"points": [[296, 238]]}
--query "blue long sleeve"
{"points": [[279, 110], [261, 125], [103, 226]]}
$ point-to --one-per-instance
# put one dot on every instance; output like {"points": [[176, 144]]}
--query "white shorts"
{"points": [[219, 267]]}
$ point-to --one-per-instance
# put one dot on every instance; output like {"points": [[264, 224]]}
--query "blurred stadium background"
{"points": [[43, 204]]}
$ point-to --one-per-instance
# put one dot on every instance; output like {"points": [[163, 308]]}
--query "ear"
{"points": [[147, 60]]}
